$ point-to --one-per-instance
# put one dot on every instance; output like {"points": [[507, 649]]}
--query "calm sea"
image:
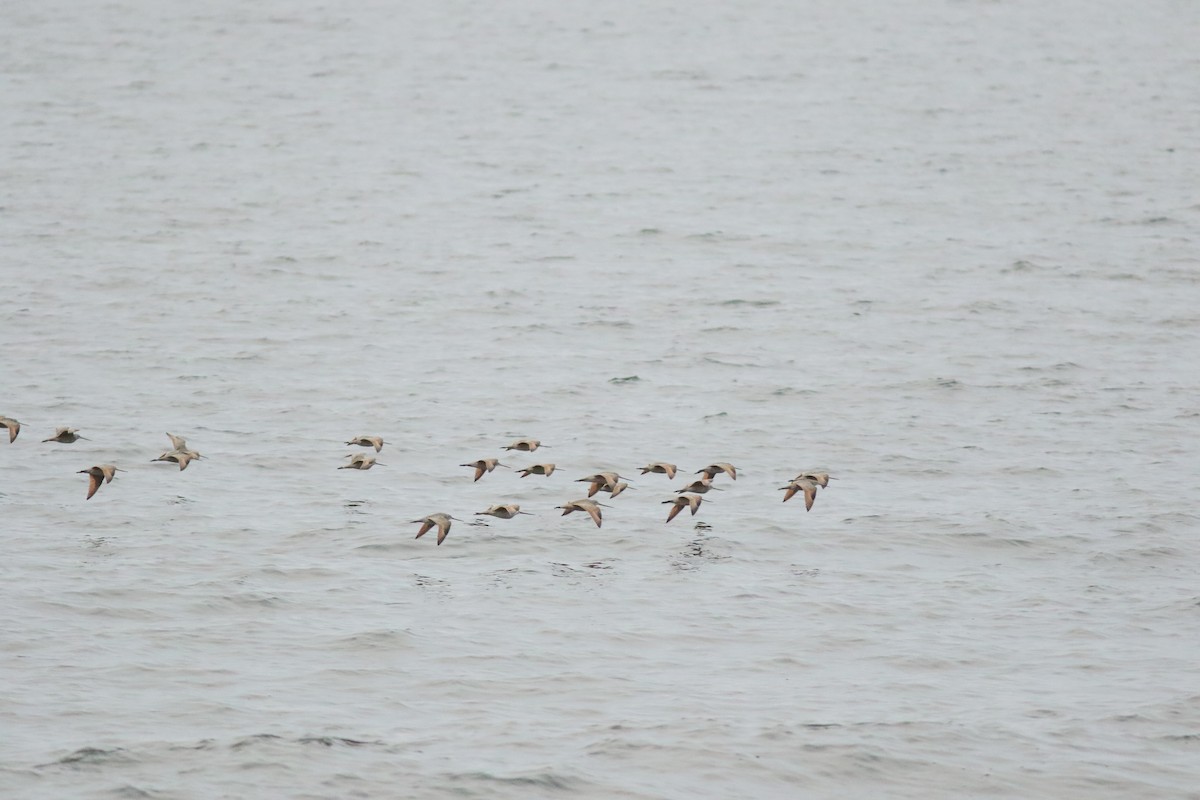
{"points": [[947, 251]]}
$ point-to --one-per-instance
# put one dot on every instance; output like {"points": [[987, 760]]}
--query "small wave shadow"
{"points": [[541, 780]]}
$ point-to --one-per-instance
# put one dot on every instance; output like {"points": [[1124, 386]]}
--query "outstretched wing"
{"points": [[94, 482]]}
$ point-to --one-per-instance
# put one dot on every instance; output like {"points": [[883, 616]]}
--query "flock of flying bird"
{"points": [[104, 473], [689, 497]]}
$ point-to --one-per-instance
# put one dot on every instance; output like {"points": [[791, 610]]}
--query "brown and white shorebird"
{"points": [[590, 506], [524, 445], [691, 501], [180, 457], [602, 477], [507, 511], [717, 467], [483, 465], [821, 479], [605, 481], [702, 486], [537, 469], [66, 436], [367, 441], [361, 461], [801, 485], [661, 467], [102, 473], [615, 489], [179, 445], [440, 520], [13, 427]]}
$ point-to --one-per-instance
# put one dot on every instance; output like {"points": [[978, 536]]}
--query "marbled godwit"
{"points": [[602, 477], [13, 427], [442, 521], [103, 473], [615, 489], [601, 481], [537, 469], [590, 506], [702, 486], [182, 458], [711, 470], [484, 465], [367, 441], [179, 445], [821, 479], [691, 501], [66, 436], [503, 512], [661, 467], [801, 485], [361, 461], [524, 445]]}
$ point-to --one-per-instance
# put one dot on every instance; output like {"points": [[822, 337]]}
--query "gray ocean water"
{"points": [[945, 250]]}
